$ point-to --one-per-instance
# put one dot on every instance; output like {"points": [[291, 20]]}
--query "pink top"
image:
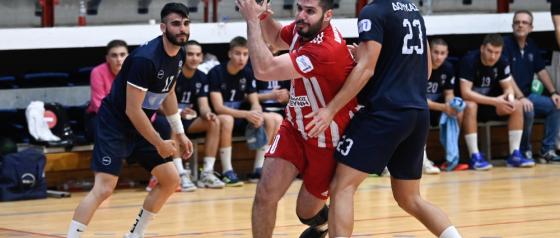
{"points": [[101, 79]]}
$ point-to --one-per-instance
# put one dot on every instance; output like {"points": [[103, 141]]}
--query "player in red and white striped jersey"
{"points": [[318, 63]]}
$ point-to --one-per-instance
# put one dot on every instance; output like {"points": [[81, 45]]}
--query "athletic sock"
{"points": [[225, 158], [450, 232], [142, 221], [472, 143], [76, 229]]}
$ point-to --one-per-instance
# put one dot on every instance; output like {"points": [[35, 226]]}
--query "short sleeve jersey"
{"points": [[401, 72], [324, 62], [442, 78], [485, 79], [524, 62], [149, 69], [188, 90], [233, 88]]}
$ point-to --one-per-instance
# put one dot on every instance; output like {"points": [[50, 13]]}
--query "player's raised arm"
{"points": [[266, 67]]}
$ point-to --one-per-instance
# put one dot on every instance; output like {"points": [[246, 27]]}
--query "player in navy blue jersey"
{"points": [[231, 87], [197, 117], [526, 61], [391, 130], [487, 87], [440, 95], [144, 84]]}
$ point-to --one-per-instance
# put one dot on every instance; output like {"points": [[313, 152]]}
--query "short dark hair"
{"points": [[494, 40], [193, 42], [326, 4], [115, 43], [524, 11], [437, 41], [238, 41], [174, 7]]}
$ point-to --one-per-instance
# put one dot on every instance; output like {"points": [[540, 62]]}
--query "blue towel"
{"points": [[449, 134]]}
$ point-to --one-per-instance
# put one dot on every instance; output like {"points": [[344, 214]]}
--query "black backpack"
{"points": [[22, 176]]}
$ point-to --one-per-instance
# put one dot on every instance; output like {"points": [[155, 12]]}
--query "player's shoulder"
{"points": [[326, 43]]}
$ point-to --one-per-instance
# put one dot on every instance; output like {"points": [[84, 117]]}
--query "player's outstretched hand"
{"points": [[321, 121], [251, 10], [185, 145], [167, 148]]}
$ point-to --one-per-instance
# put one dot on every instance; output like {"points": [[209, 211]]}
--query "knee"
{"points": [[409, 203], [319, 218], [170, 183], [102, 192], [226, 122], [471, 108], [265, 195]]}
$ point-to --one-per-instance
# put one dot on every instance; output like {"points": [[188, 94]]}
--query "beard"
{"points": [[312, 30], [173, 39]]}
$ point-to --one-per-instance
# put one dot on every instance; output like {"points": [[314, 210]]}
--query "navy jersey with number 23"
{"points": [[401, 76]]}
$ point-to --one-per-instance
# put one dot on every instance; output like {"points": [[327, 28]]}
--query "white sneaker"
{"points": [[209, 180], [429, 168], [186, 184], [130, 235]]}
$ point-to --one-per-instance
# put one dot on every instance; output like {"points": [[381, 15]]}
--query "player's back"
{"points": [[401, 73]]}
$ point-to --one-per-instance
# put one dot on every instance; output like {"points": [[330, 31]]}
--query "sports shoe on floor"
{"points": [[458, 167], [230, 179], [255, 176], [479, 163], [428, 167], [186, 184], [551, 157], [209, 180], [516, 159], [152, 184]]}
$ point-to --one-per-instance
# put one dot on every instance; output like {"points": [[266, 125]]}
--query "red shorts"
{"points": [[316, 165]]}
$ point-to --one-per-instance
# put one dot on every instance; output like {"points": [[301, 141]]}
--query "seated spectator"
{"points": [[440, 96], [101, 79], [486, 85], [192, 95], [273, 95], [526, 60], [231, 85]]}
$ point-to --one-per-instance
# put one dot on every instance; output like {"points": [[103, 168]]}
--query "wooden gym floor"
{"points": [[504, 202]]}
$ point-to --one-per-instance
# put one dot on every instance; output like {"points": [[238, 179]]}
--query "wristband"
{"points": [[175, 123], [554, 92]]}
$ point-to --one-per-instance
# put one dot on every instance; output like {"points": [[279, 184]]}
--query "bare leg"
{"points": [[168, 180], [102, 188], [277, 176], [341, 212], [407, 195], [226, 130], [272, 123], [308, 205]]}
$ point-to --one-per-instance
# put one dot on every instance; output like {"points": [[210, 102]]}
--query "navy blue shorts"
{"points": [[394, 139], [113, 145]]}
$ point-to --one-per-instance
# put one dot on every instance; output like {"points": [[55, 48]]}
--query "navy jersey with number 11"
{"points": [[149, 69], [401, 73]]}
